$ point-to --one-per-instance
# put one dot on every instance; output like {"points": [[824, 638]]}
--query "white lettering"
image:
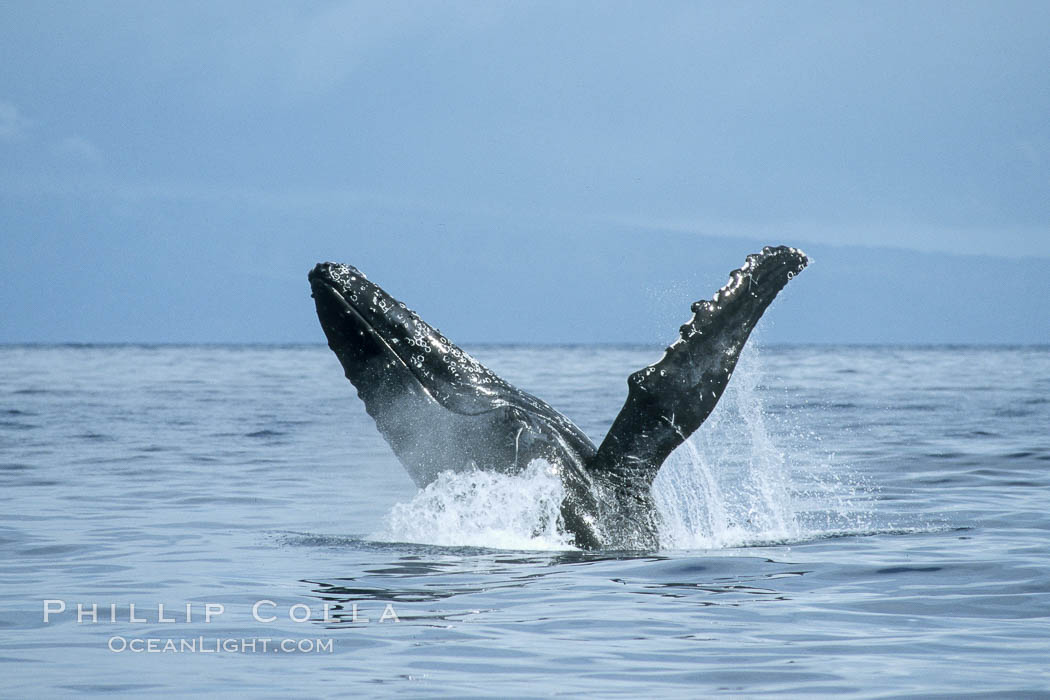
{"points": [[81, 614], [255, 610], [305, 608], [389, 614], [213, 609], [49, 608]]}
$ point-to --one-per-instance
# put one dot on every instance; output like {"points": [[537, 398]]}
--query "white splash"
{"points": [[484, 509], [733, 484], [737, 482]]}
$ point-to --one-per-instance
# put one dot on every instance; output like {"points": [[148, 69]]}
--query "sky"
{"points": [[523, 172]]}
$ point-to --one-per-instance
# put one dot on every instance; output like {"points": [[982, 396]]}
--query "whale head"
{"points": [[437, 406], [381, 341]]}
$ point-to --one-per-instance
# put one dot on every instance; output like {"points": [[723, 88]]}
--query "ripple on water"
{"points": [[827, 539]]}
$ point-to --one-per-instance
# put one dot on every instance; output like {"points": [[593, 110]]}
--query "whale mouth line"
{"points": [[321, 284], [326, 286]]}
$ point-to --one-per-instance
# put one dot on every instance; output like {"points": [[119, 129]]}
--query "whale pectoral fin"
{"points": [[667, 401]]}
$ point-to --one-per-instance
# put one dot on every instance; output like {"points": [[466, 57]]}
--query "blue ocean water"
{"points": [[861, 522]]}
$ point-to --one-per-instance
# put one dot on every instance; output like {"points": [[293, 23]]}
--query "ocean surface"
{"points": [[851, 521]]}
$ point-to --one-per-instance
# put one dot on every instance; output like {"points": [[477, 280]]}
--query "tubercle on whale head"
{"points": [[359, 317], [368, 300], [355, 314]]}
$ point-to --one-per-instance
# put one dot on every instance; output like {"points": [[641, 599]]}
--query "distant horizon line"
{"points": [[507, 344]]}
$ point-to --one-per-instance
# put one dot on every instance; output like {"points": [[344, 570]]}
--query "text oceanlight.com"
{"points": [[230, 645]]}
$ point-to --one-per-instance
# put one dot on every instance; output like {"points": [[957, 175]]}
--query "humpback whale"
{"points": [[440, 409]]}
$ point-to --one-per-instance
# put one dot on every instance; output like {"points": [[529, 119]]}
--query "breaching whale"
{"points": [[440, 409]]}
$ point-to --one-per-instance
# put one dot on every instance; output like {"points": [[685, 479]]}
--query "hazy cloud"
{"points": [[1003, 241], [314, 50], [77, 148], [201, 129], [13, 125]]}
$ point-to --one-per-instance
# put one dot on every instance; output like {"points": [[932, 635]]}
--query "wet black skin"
{"points": [[439, 409]]}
